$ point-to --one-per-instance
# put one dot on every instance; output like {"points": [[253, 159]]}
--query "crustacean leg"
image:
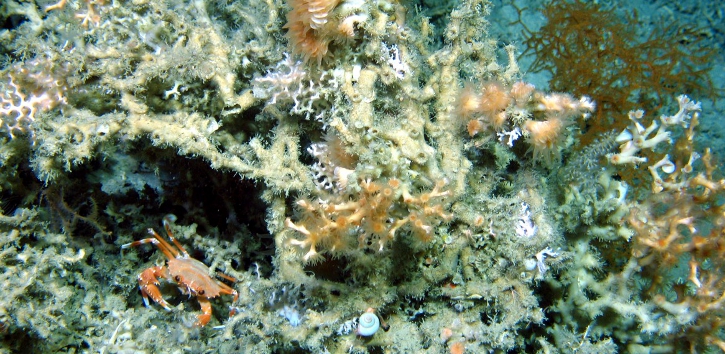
{"points": [[148, 279], [168, 219], [226, 289], [205, 316], [169, 251], [148, 283]]}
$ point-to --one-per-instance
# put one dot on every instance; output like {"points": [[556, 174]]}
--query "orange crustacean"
{"points": [[190, 275]]}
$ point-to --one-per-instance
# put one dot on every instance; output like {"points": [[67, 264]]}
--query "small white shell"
{"points": [[368, 324], [668, 167], [530, 264]]}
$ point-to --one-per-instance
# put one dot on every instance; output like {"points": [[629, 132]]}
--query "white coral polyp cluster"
{"points": [[281, 84], [32, 87], [290, 82], [392, 56], [327, 175], [525, 228], [537, 262], [637, 138]]}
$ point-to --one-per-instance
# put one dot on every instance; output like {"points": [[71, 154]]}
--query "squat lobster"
{"points": [[190, 275]]}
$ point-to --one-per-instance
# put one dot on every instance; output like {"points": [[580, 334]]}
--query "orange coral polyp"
{"points": [[374, 215], [468, 103], [544, 137], [474, 127], [341, 222], [522, 92], [387, 192], [494, 99], [377, 228]]}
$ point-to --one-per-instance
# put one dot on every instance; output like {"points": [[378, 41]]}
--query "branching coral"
{"points": [[590, 50], [682, 227], [39, 279], [373, 217], [637, 145], [667, 279], [446, 233]]}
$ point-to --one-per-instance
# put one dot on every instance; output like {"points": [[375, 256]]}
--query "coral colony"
{"points": [[358, 176]]}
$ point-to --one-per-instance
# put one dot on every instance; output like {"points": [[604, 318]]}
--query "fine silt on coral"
{"points": [[359, 177]]}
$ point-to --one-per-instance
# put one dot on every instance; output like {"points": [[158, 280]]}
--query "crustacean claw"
{"points": [[205, 315], [148, 281]]}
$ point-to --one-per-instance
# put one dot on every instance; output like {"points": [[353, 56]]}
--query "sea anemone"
{"points": [[522, 92], [306, 30], [494, 100], [498, 120], [338, 152], [545, 138], [468, 102], [347, 25], [474, 127]]}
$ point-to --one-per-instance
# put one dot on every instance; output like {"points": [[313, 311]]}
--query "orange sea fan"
{"points": [[305, 27]]}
